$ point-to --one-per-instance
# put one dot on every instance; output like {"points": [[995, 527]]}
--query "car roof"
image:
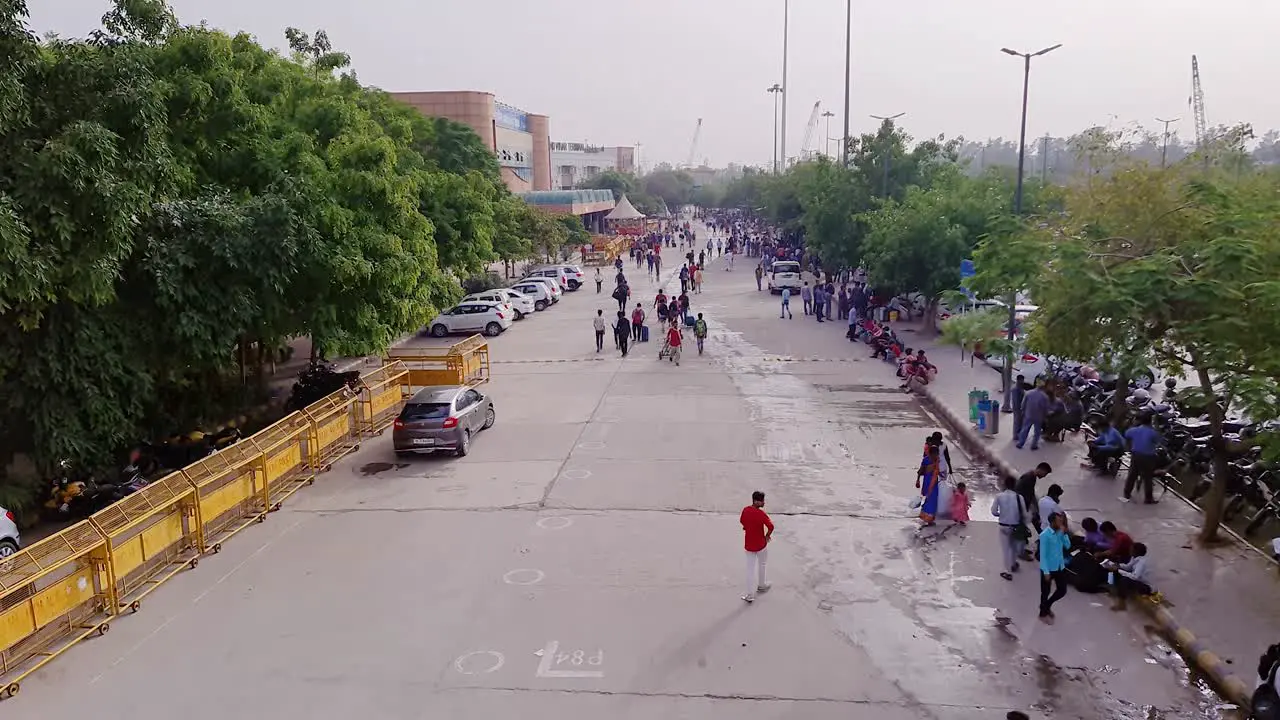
{"points": [[537, 278], [484, 292], [437, 393], [490, 303]]}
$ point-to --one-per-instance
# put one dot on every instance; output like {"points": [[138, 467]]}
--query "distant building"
{"points": [[520, 140], [574, 163]]}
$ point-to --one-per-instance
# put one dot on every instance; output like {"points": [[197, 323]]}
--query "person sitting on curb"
{"points": [[1108, 446], [1121, 544], [1130, 578]]}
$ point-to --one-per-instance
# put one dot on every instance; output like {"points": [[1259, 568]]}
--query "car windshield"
{"points": [[786, 267], [425, 411]]}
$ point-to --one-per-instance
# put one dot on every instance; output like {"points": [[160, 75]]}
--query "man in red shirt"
{"points": [[674, 339], [758, 528]]}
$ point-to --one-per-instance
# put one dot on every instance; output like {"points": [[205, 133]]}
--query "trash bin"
{"points": [[976, 396], [988, 417]]}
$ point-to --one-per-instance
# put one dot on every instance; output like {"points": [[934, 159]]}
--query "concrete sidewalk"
{"points": [[1225, 596]]}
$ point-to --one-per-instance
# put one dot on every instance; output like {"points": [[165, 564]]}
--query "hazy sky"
{"points": [[628, 71]]}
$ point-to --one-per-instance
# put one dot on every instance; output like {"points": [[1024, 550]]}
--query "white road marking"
{"points": [[555, 522], [551, 657], [591, 445], [497, 659], [577, 474], [524, 576]]}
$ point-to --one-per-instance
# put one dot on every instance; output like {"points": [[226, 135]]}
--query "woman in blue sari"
{"points": [[928, 481]]}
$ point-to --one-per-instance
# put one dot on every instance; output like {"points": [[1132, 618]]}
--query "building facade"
{"points": [[574, 163], [520, 140]]}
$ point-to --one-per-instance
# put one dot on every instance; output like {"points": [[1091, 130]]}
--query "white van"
{"points": [[785, 274]]}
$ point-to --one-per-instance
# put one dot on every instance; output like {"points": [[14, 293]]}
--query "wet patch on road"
{"points": [[374, 468]]}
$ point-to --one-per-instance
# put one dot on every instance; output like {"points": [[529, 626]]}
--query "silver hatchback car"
{"points": [[442, 418]]}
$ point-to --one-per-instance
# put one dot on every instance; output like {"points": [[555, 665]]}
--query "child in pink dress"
{"points": [[960, 502]]}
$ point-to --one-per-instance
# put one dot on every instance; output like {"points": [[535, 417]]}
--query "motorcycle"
{"points": [[318, 381]]}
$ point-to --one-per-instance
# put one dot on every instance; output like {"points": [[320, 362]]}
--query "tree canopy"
{"points": [[176, 201]]}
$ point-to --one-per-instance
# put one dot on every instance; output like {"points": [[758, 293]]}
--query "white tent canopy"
{"points": [[624, 210]]}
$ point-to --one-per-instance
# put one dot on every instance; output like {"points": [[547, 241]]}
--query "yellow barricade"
{"points": [[284, 463], [52, 595], [231, 493], [384, 393], [333, 429], [464, 363], [151, 536]]}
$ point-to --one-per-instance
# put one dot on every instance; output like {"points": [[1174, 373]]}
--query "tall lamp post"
{"points": [[827, 147], [775, 90], [1164, 148], [888, 150], [848, 54], [786, 19], [1017, 202]]}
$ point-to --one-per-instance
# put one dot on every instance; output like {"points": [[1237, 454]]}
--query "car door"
{"points": [[452, 318], [469, 318], [469, 409]]}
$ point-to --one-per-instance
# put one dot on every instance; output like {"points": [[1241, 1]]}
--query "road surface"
{"points": [[586, 561]]}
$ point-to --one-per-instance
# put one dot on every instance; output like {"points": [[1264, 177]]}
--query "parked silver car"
{"points": [[9, 540], [442, 417]]}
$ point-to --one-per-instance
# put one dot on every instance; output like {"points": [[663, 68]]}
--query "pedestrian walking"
{"points": [[700, 331], [960, 504], [757, 529], [599, 281], [806, 297], [622, 332], [786, 304], [598, 323], [819, 302], [674, 340], [1026, 487], [927, 479], [637, 322], [759, 277], [1035, 408], [1143, 442], [1054, 544], [620, 293], [1010, 510], [697, 280]]}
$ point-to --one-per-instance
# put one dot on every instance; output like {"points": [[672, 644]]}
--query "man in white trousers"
{"points": [[757, 528]]}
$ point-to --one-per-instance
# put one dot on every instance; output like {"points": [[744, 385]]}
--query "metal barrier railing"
{"points": [[152, 535], [68, 586], [463, 363]]}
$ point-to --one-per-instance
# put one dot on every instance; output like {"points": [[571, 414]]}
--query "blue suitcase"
{"points": [[688, 321], [644, 333]]}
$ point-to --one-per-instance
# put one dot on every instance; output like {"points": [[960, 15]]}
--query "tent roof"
{"points": [[624, 210]]}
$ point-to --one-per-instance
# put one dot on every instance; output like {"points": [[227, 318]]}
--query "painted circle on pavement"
{"points": [[555, 522], [479, 662], [524, 576], [577, 474]]}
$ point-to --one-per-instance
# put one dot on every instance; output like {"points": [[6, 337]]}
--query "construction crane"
{"points": [[1196, 101], [806, 147], [693, 146]]}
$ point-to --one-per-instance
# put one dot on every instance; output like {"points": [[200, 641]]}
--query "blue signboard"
{"points": [[510, 118], [966, 271]]}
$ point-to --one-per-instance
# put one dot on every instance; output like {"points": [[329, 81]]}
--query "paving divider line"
{"points": [[1188, 645]]}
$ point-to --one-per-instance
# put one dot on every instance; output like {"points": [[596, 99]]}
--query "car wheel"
{"points": [[439, 330], [519, 315], [464, 445], [8, 548], [490, 417], [1144, 380], [493, 329], [574, 284], [540, 305]]}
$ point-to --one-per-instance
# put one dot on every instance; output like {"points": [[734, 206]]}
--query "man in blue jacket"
{"points": [[1054, 544], [1109, 444]]}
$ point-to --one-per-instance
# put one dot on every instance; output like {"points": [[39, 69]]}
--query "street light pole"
{"points": [[848, 54], [1164, 149], [786, 19], [887, 157], [1017, 203], [775, 90], [827, 146]]}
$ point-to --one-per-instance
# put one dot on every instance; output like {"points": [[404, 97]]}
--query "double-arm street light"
{"points": [[1017, 202], [848, 54], [827, 146], [888, 149], [786, 19], [775, 90], [1164, 148]]}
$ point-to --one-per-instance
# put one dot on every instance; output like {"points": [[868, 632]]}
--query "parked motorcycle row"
{"points": [[1253, 487], [317, 382]]}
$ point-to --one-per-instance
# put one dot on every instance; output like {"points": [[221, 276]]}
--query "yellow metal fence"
{"points": [[65, 588]]}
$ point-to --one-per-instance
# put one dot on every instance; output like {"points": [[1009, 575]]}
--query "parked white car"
{"points": [[10, 543], [519, 304], [555, 272], [552, 286], [487, 317], [572, 273], [538, 292]]}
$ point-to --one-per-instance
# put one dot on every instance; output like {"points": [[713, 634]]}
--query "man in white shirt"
{"points": [[1051, 503], [1131, 578], [598, 323]]}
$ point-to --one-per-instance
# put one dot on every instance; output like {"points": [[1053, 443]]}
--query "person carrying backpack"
{"points": [[700, 331]]}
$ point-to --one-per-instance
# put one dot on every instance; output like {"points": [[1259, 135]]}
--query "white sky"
{"points": [[628, 71]]}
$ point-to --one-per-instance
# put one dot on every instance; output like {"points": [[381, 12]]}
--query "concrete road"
{"points": [[586, 561]]}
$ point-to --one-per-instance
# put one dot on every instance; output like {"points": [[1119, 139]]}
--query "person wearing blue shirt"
{"points": [[1143, 443], [1109, 444], [1054, 544]]}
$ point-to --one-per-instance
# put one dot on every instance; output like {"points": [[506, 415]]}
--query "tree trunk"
{"points": [[1119, 407], [931, 319], [1214, 501]]}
